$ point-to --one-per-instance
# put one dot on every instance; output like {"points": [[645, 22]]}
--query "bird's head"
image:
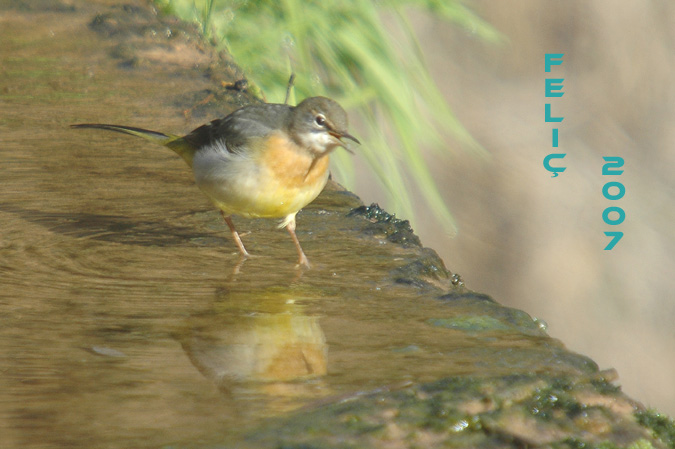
{"points": [[319, 124]]}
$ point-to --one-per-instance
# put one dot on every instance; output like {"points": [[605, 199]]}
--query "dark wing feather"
{"points": [[240, 126]]}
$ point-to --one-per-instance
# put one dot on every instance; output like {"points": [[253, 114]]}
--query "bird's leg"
{"points": [[235, 234], [302, 259]]}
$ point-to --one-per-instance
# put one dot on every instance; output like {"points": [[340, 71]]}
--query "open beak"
{"points": [[344, 135], [348, 136]]}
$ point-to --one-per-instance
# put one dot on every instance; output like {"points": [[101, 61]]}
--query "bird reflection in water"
{"points": [[260, 343]]}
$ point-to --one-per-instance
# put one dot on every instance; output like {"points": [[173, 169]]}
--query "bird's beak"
{"points": [[344, 135]]}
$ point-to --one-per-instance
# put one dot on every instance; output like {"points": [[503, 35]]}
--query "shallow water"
{"points": [[128, 319]]}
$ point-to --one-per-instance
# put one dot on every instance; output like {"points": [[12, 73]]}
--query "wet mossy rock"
{"points": [[459, 412], [426, 270], [387, 225]]}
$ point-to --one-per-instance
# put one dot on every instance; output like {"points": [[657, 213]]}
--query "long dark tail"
{"points": [[175, 143]]}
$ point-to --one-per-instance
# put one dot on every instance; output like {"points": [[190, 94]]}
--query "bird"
{"points": [[263, 160]]}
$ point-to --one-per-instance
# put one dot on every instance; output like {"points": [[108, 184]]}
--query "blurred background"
{"points": [[536, 242]]}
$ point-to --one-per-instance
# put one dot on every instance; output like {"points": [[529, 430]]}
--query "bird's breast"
{"points": [[274, 178], [291, 166]]}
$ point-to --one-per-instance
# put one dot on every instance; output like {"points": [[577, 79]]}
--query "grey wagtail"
{"points": [[264, 160]]}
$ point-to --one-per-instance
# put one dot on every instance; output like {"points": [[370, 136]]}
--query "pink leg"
{"points": [[302, 259], [235, 235]]}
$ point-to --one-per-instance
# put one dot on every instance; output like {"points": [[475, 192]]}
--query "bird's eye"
{"points": [[320, 120]]}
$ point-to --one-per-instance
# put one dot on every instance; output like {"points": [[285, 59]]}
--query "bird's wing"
{"points": [[237, 129]]}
